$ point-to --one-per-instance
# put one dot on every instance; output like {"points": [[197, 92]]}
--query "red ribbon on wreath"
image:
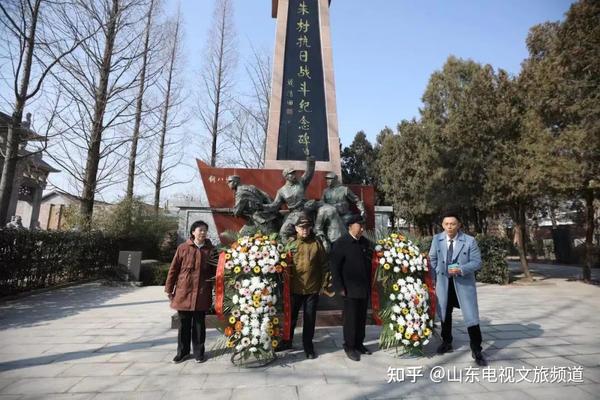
{"points": [[220, 294], [287, 300], [375, 303], [430, 282], [220, 286]]}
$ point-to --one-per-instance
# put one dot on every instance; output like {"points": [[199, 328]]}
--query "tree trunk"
{"points": [[138, 108], [91, 169], [589, 234], [13, 138], [9, 166], [520, 236], [484, 224], [215, 126], [554, 228], [158, 182], [553, 218], [477, 221], [532, 233], [93, 154], [165, 118]]}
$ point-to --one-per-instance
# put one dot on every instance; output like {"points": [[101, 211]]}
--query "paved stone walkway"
{"points": [[545, 271], [98, 342]]}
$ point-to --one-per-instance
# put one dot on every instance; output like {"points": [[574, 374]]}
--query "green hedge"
{"points": [[39, 259]]}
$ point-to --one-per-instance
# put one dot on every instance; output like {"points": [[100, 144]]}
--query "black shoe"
{"points": [[353, 354], [364, 350], [479, 359], [309, 350], [284, 345], [180, 358], [445, 347], [200, 358]]}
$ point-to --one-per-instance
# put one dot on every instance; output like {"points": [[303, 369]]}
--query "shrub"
{"points": [[154, 274], [135, 225], [145, 231], [580, 255], [168, 246], [160, 274], [38, 259], [424, 243], [494, 268]]}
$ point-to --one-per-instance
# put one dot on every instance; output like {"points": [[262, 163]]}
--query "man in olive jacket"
{"points": [[307, 274], [189, 287], [350, 264]]}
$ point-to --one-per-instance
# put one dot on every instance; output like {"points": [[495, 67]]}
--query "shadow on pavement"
{"points": [[57, 304]]}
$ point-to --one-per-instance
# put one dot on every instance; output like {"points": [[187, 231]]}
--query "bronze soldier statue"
{"points": [[292, 194], [249, 202], [341, 197]]}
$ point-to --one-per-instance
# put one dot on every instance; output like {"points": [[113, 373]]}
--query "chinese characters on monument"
{"points": [[303, 125]]}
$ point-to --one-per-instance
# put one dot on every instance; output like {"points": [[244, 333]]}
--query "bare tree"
{"points": [[135, 137], [171, 92], [36, 44], [100, 90], [217, 76], [248, 132]]}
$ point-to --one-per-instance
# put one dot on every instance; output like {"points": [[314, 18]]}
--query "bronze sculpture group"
{"points": [[263, 214]]}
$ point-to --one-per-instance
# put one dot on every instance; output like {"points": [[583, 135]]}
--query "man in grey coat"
{"points": [[454, 258]]}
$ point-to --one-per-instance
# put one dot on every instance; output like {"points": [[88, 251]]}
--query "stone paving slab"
{"points": [[100, 384], [561, 393], [95, 369], [36, 371], [98, 342], [62, 396], [508, 394], [219, 394], [132, 396], [40, 386]]}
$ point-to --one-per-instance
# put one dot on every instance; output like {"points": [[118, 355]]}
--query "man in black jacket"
{"points": [[351, 269]]}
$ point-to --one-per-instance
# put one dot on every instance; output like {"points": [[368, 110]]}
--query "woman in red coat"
{"points": [[189, 287]]}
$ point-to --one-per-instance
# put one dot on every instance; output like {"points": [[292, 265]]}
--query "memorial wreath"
{"points": [[407, 310], [252, 298]]}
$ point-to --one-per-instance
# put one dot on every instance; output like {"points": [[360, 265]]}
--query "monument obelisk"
{"points": [[302, 121], [303, 115]]}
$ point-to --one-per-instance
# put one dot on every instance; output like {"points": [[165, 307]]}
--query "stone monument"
{"points": [[302, 125], [302, 115], [302, 139]]}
